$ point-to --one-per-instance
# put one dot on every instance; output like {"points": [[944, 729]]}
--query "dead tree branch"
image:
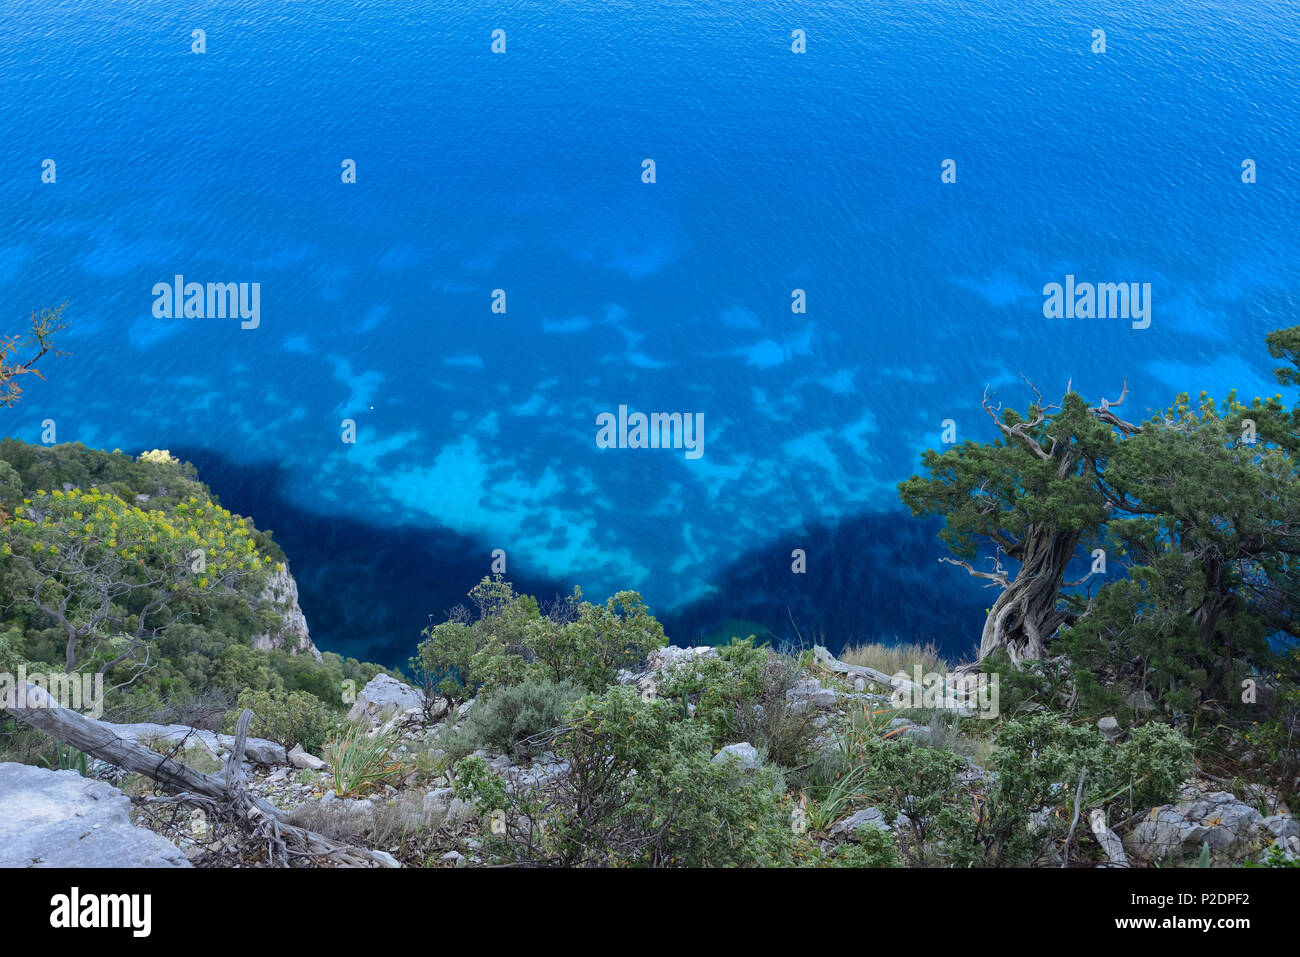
{"points": [[224, 797]]}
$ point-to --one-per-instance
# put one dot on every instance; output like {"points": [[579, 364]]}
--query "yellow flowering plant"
{"points": [[105, 568]]}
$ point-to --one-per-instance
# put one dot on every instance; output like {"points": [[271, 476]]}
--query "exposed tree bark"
{"points": [[1108, 839], [1027, 612], [823, 657]]}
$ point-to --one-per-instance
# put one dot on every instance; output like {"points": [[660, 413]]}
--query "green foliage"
{"points": [[1275, 856], [1285, 344], [904, 778], [460, 653], [11, 650], [478, 784], [999, 491], [112, 575], [67, 758], [505, 719], [360, 762], [588, 644], [719, 688], [288, 719], [511, 642], [1032, 685], [1039, 761], [741, 696], [643, 790], [1208, 530], [199, 633], [875, 848]]}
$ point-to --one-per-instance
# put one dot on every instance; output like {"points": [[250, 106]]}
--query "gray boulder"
{"points": [[1141, 701], [1109, 728], [304, 761], [850, 828], [1179, 830], [661, 659], [744, 752], [809, 691], [383, 697], [60, 819], [1282, 826]]}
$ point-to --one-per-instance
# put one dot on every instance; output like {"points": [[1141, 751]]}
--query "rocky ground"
{"points": [[61, 818]]}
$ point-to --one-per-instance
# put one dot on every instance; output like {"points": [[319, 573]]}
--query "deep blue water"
{"points": [[522, 171]]}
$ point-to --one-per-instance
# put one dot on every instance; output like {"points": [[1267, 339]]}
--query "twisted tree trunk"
{"points": [[1027, 613]]}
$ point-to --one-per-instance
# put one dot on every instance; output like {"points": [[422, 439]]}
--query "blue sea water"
{"points": [[522, 171]]}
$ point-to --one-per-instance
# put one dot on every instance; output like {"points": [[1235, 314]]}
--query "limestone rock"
{"points": [[60, 819], [1178, 830], [1282, 826], [744, 752], [292, 635], [1140, 701], [383, 697], [809, 691], [850, 828], [1109, 728], [661, 659], [302, 760]]}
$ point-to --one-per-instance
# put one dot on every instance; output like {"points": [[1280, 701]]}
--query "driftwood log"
{"points": [[225, 797], [828, 660]]}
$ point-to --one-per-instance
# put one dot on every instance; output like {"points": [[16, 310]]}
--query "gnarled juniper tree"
{"points": [[1031, 496]]}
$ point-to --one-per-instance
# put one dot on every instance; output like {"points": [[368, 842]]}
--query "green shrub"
{"points": [[459, 654], [1039, 761], [511, 642], [503, 720], [598, 641], [741, 696], [288, 719], [643, 790], [875, 848], [903, 777], [1029, 686]]}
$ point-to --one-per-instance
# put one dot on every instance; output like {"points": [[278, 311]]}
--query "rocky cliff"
{"points": [[293, 634]]}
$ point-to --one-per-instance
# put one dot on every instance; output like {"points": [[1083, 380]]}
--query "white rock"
{"points": [[668, 657], [382, 698], [307, 762], [744, 752], [439, 799], [60, 819], [850, 828], [810, 690]]}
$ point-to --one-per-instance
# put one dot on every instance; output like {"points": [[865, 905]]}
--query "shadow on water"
{"points": [[367, 590], [870, 577]]}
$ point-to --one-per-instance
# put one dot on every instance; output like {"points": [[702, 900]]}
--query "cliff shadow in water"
{"points": [[871, 577], [367, 590]]}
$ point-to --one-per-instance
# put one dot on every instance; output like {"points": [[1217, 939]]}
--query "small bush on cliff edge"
{"points": [[511, 642]]}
